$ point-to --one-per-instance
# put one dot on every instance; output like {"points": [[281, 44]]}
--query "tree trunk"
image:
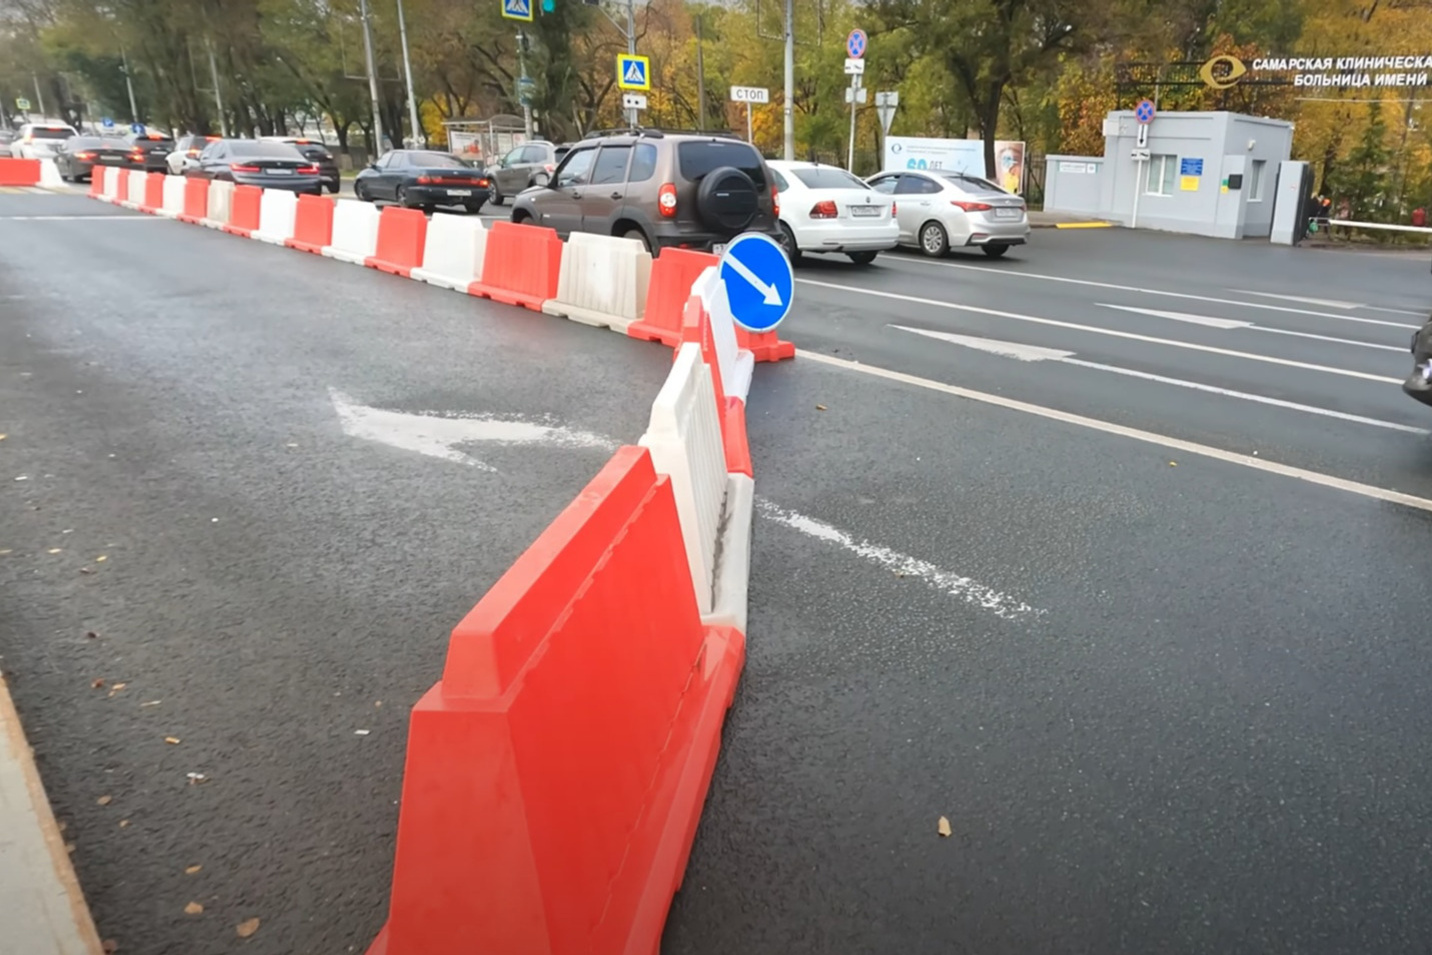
{"points": [[987, 115]]}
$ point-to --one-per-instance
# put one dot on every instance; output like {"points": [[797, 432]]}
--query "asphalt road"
{"points": [[1167, 701]]}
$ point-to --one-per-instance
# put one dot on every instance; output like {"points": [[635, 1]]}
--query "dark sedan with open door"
{"points": [[78, 155], [249, 162], [423, 179]]}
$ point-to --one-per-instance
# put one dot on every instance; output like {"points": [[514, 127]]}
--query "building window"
{"points": [[1255, 184], [1162, 170]]}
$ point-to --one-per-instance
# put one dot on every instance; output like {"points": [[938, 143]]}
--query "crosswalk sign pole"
{"points": [[631, 48]]}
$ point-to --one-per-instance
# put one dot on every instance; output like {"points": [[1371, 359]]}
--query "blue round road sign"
{"points": [[107, 122], [1144, 112], [855, 44], [137, 129], [759, 281]]}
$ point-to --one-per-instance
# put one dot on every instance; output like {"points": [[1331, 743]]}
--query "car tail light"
{"points": [[243, 167], [425, 180], [971, 206], [137, 155], [483, 183], [824, 210], [310, 171], [894, 208], [666, 200], [85, 156], [549, 167], [776, 201]]}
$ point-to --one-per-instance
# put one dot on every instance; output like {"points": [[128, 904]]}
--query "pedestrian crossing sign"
{"points": [[517, 9], [633, 71]]}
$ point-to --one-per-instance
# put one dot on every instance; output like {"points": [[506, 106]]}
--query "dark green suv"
{"points": [[682, 190]]}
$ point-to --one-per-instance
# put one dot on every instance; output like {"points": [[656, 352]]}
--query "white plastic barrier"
{"points": [[737, 364], [684, 437], [109, 182], [173, 197], [452, 252], [137, 178], [277, 208], [603, 281], [221, 201], [50, 174], [355, 231]]}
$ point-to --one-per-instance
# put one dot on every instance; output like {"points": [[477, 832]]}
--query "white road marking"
{"points": [[1325, 302], [81, 218], [955, 585], [1226, 323], [1035, 353], [1148, 437], [1210, 349], [438, 435], [1153, 291]]}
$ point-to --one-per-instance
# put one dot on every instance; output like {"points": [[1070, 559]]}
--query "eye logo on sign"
{"points": [[1221, 72], [633, 72]]}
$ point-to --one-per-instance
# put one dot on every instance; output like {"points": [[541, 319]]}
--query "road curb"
{"points": [[46, 913]]}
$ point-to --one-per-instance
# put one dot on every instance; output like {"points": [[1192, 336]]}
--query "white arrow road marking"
{"points": [[1325, 302], [1035, 353], [1225, 323], [772, 296], [1094, 329], [955, 585], [438, 435]]}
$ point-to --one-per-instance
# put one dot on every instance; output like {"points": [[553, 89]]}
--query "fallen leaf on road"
{"points": [[820, 407], [360, 732], [101, 558], [192, 869], [3, 437], [90, 634], [245, 929], [1173, 464], [291, 444], [151, 703], [193, 908], [116, 688], [172, 740], [96, 683], [105, 800], [124, 823], [24, 477], [86, 570], [944, 827], [110, 946], [54, 550], [6, 551], [379, 703], [197, 778]]}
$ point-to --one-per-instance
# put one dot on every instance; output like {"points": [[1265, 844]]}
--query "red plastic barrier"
{"points": [[153, 193], [312, 225], [19, 172], [672, 275], [401, 233], [520, 266], [696, 327], [764, 346], [121, 187], [196, 200], [244, 211], [555, 776], [96, 182]]}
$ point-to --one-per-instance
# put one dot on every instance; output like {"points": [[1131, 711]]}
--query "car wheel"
{"points": [[793, 251], [994, 251], [473, 208], [494, 194], [933, 240], [640, 236], [862, 258], [360, 192], [401, 195]]}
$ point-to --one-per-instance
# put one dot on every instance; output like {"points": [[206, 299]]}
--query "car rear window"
{"points": [[438, 160], [258, 150], [85, 142], [828, 177], [51, 132], [113, 142], [971, 183], [696, 159]]}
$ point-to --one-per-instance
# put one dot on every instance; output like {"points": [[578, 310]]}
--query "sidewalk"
{"points": [[42, 910], [1065, 220]]}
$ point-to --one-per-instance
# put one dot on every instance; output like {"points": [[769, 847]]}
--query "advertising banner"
{"points": [[957, 155]]}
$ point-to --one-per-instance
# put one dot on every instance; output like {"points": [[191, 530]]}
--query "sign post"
{"points": [[855, 66], [750, 95], [1144, 114], [633, 75]]}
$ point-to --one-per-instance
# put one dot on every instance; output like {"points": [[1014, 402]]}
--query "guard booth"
{"points": [[1211, 174], [487, 140]]}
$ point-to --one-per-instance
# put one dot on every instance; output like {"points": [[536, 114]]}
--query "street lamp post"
{"points": [[372, 78], [129, 84], [789, 148], [408, 75]]}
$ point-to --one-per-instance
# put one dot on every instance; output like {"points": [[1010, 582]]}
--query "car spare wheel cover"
{"points": [[726, 199]]}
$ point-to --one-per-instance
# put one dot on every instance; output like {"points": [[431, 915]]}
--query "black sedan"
{"points": [[249, 162], [316, 153], [150, 151], [422, 179], [78, 155]]}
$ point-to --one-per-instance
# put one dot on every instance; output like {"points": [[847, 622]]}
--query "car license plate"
{"points": [[870, 211], [1006, 213], [718, 248], [459, 192], [109, 159], [280, 172]]}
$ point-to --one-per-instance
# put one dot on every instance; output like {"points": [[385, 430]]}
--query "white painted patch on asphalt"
{"points": [[1324, 302], [1004, 349], [439, 434], [962, 588], [1207, 320], [1148, 437]]}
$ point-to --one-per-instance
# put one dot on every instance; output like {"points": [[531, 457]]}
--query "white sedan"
{"points": [[943, 209], [826, 209], [40, 140]]}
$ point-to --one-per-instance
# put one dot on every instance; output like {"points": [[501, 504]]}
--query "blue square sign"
{"points": [[1190, 167]]}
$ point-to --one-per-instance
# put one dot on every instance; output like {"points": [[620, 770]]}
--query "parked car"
{"points": [[39, 140], [423, 179], [937, 210], [250, 162], [186, 152], [688, 190], [317, 153], [78, 155], [150, 151], [826, 209], [517, 170]]}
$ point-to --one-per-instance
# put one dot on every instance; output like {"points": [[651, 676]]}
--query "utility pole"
{"points": [[522, 84], [408, 74], [218, 98], [129, 83], [39, 96], [701, 82], [631, 48], [789, 150], [372, 79]]}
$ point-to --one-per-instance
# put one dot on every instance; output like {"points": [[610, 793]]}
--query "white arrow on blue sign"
{"points": [[759, 281], [107, 122]]}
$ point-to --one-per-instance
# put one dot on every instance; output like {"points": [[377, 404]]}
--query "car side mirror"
{"points": [[373, 166], [541, 179]]}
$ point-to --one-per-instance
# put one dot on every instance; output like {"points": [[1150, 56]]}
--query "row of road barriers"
{"points": [[555, 773]]}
